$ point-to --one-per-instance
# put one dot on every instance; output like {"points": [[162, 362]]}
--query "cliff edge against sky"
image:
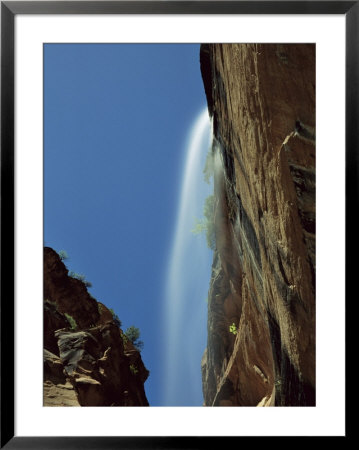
{"points": [[88, 361]]}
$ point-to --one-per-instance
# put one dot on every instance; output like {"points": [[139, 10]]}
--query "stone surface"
{"points": [[91, 364], [53, 320], [262, 100], [103, 369], [105, 314], [69, 294], [58, 391]]}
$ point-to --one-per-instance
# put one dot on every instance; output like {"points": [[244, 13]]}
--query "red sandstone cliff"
{"points": [[262, 100], [92, 364]]}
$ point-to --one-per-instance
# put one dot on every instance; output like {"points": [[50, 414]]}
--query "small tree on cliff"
{"points": [[133, 333], [207, 223], [63, 255], [81, 277]]}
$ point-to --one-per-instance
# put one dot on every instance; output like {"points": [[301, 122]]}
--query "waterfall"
{"points": [[188, 278]]}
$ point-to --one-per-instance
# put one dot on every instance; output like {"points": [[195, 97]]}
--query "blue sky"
{"points": [[116, 124]]}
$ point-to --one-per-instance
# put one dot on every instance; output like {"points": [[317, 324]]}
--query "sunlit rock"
{"points": [[262, 101]]}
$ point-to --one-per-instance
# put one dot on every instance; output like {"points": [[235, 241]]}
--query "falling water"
{"points": [[188, 278]]}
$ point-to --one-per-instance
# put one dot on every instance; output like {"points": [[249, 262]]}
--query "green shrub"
{"points": [[81, 277], [63, 255], [51, 302], [133, 334], [133, 369], [233, 328], [71, 321], [199, 227], [207, 223]]}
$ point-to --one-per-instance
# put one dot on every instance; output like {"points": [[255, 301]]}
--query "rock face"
{"points": [[262, 101], [89, 362]]}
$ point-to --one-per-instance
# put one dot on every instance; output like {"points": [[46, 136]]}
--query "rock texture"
{"points": [[93, 363], [262, 101]]}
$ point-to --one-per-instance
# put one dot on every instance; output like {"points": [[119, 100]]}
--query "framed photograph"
{"points": [[175, 182]]}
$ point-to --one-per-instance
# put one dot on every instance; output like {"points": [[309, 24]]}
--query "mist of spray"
{"points": [[188, 277]]}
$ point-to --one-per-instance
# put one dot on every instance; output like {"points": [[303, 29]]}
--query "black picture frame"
{"points": [[9, 9]]}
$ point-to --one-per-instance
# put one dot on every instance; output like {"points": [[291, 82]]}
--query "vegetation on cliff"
{"points": [[84, 348], [206, 224], [133, 335]]}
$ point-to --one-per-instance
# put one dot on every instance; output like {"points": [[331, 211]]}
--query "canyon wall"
{"points": [[261, 304], [88, 361]]}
